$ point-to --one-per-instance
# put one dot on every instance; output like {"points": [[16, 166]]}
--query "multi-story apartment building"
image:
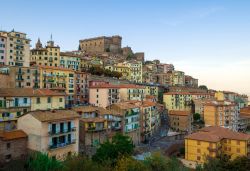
{"points": [[131, 119], [96, 126], [81, 88], [93, 128], [240, 100], [131, 92], [130, 70], [70, 61], [149, 118], [164, 68], [213, 141], [16, 48], [13, 146], [181, 120], [15, 102], [191, 82], [45, 56], [136, 71], [3, 44], [21, 77], [221, 113], [177, 78], [55, 132], [101, 44], [244, 119], [103, 95], [121, 68], [152, 90], [178, 101], [60, 79]]}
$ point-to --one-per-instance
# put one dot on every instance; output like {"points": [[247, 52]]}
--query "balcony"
{"points": [[62, 132], [61, 145], [20, 72], [19, 79], [95, 129]]}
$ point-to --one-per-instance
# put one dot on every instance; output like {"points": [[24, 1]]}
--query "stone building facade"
{"points": [[13, 145], [102, 44]]}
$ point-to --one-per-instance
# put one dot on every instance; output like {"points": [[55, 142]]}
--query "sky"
{"points": [[208, 39]]}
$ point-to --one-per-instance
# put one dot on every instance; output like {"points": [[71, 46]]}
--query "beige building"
{"points": [[55, 132], [104, 95], [21, 77], [45, 56], [181, 120], [17, 48], [15, 102]]}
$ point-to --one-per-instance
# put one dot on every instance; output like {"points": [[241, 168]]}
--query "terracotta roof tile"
{"points": [[11, 135], [179, 112], [53, 115], [216, 133], [28, 92]]}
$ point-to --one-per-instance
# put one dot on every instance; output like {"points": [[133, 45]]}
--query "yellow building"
{"points": [[213, 141], [45, 56], [177, 100], [61, 79], [221, 113], [131, 71], [15, 102], [152, 90]]}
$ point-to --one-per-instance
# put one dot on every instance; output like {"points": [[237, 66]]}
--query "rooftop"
{"points": [[53, 115], [28, 92], [11, 135], [179, 112], [216, 133]]}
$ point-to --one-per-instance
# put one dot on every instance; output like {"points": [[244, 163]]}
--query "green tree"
{"points": [[130, 164], [196, 116], [42, 162], [82, 163], [203, 87], [110, 151]]}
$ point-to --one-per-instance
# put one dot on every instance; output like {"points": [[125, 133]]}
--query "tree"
{"points": [[203, 87], [82, 163], [196, 116], [120, 145], [128, 163], [42, 162]]}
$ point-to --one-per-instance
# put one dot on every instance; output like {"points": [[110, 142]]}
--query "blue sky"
{"points": [[209, 39]]}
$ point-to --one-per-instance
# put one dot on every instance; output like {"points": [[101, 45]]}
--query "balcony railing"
{"points": [[62, 131], [94, 129], [60, 145]]}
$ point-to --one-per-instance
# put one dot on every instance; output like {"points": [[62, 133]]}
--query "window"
{"points": [[238, 150], [49, 100], [18, 113], [38, 100], [198, 143], [198, 157], [8, 157], [198, 150], [60, 99], [8, 145], [25, 100], [238, 142]]}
